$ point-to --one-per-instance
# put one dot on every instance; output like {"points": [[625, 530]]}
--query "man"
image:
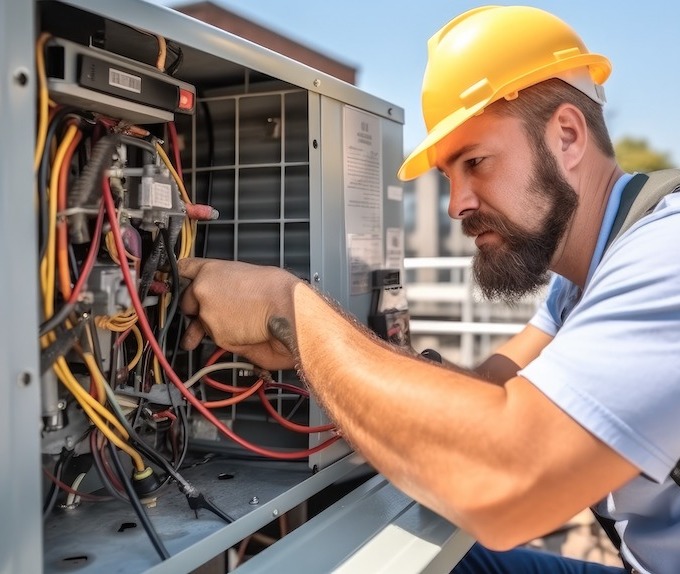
{"points": [[578, 409]]}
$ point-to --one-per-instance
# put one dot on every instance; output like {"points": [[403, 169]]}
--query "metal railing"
{"points": [[449, 314]]}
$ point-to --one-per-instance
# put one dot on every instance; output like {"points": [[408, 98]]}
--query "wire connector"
{"points": [[196, 500], [145, 481]]}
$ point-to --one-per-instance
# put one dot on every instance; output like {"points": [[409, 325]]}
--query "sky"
{"points": [[386, 41]]}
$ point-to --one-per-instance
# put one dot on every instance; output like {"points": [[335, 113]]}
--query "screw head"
{"points": [[254, 500], [275, 512], [21, 77], [317, 83]]}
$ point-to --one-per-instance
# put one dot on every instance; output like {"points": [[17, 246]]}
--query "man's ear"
{"points": [[567, 133]]}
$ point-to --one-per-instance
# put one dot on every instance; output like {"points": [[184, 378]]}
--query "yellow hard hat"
{"points": [[490, 53]]}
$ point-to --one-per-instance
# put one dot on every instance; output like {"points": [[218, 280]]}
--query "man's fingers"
{"points": [[190, 266], [193, 335], [188, 302]]}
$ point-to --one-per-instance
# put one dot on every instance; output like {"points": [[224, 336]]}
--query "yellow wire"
{"points": [[140, 348], [113, 252], [94, 409], [43, 99], [95, 374], [188, 226], [173, 172], [119, 322], [48, 263], [65, 375], [162, 53]]}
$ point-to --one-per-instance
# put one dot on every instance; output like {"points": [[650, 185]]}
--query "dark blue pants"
{"points": [[479, 560]]}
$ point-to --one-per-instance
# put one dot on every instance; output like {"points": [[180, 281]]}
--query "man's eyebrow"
{"points": [[455, 155]]}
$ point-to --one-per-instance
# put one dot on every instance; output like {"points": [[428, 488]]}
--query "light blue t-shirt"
{"points": [[614, 367]]}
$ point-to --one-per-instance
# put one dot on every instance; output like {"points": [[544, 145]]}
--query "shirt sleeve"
{"points": [[614, 365], [560, 298]]}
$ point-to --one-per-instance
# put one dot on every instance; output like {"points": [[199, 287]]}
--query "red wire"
{"points": [[67, 488], [91, 257], [216, 384], [100, 455], [165, 414], [174, 144], [284, 422], [287, 387], [148, 334], [260, 391]]}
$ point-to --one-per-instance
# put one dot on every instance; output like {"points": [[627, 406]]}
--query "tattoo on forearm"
{"points": [[281, 329]]}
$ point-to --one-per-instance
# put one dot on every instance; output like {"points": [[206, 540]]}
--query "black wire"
{"points": [[140, 143], [184, 424], [57, 319], [96, 347], [138, 507], [74, 263], [178, 338], [53, 493], [135, 439], [174, 271], [103, 476], [173, 68], [43, 175], [150, 267]]}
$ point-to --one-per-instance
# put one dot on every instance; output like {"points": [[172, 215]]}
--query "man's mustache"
{"points": [[478, 223]]}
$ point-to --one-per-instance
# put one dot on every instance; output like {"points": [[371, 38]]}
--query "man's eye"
{"points": [[474, 162]]}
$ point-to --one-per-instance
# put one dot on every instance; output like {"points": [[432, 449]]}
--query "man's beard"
{"points": [[520, 266]]}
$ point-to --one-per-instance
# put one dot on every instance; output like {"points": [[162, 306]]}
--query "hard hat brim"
{"points": [[423, 159]]}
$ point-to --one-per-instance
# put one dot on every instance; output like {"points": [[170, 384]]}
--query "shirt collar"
{"points": [[608, 221]]}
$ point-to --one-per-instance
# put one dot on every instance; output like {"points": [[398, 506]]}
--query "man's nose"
{"points": [[462, 200]]}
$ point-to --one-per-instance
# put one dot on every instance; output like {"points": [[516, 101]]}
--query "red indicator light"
{"points": [[186, 99]]}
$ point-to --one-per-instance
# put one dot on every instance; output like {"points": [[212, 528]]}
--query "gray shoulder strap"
{"points": [[641, 196]]}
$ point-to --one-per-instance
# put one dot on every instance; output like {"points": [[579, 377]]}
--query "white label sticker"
{"points": [[161, 195], [394, 249], [364, 256], [125, 81]]}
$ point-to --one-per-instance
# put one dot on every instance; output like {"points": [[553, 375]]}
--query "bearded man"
{"points": [[580, 408]]}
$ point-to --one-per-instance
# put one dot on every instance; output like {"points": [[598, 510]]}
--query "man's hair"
{"points": [[536, 105]]}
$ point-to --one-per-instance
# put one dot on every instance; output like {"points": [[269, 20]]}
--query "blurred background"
{"points": [[381, 48]]}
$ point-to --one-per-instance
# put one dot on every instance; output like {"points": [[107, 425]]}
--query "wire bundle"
{"points": [[84, 222]]}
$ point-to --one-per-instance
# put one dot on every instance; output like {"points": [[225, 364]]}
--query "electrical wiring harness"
{"points": [[114, 217]]}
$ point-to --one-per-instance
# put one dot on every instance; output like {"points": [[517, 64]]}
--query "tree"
{"points": [[635, 154]]}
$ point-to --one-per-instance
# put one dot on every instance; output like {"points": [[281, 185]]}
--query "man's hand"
{"points": [[240, 307]]}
